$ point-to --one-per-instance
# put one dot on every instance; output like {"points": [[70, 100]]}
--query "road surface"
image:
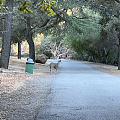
{"points": [[80, 92]]}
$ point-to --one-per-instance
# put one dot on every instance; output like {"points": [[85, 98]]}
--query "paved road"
{"points": [[81, 93]]}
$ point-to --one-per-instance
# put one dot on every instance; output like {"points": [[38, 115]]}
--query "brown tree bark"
{"points": [[30, 39], [19, 50], [6, 43], [119, 52]]}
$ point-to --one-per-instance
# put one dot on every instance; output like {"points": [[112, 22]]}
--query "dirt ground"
{"points": [[110, 69], [21, 94], [10, 78]]}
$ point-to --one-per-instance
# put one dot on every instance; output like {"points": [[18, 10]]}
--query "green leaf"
{"points": [[25, 7], [47, 7]]}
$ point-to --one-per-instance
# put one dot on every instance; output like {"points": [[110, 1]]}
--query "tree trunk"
{"points": [[6, 43], [30, 39], [119, 52], [19, 50]]}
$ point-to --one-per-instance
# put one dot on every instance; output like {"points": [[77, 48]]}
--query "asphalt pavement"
{"points": [[80, 92]]}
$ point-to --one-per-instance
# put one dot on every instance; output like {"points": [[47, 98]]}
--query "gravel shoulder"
{"points": [[110, 69]]}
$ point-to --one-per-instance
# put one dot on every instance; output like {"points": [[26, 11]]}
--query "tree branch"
{"points": [[44, 24]]}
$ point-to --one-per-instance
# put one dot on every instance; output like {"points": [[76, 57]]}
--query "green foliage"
{"points": [[113, 57], [95, 43], [44, 48], [24, 7], [47, 7], [91, 29], [1, 5], [81, 47]]}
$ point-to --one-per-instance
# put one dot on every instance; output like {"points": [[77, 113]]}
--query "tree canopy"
{"points": [[90, 28]]}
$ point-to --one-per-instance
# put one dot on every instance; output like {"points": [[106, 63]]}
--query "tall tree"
{"points": [[29, 38], [24, 7], [6, 42]]}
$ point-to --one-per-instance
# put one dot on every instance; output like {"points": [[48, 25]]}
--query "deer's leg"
{"points": [[50, 67]]}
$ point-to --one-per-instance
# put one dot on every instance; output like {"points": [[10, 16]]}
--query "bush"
{"points": [[44, 50]]}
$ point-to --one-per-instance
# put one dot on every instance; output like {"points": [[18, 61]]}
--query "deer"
{"points": [[54, 65]]}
